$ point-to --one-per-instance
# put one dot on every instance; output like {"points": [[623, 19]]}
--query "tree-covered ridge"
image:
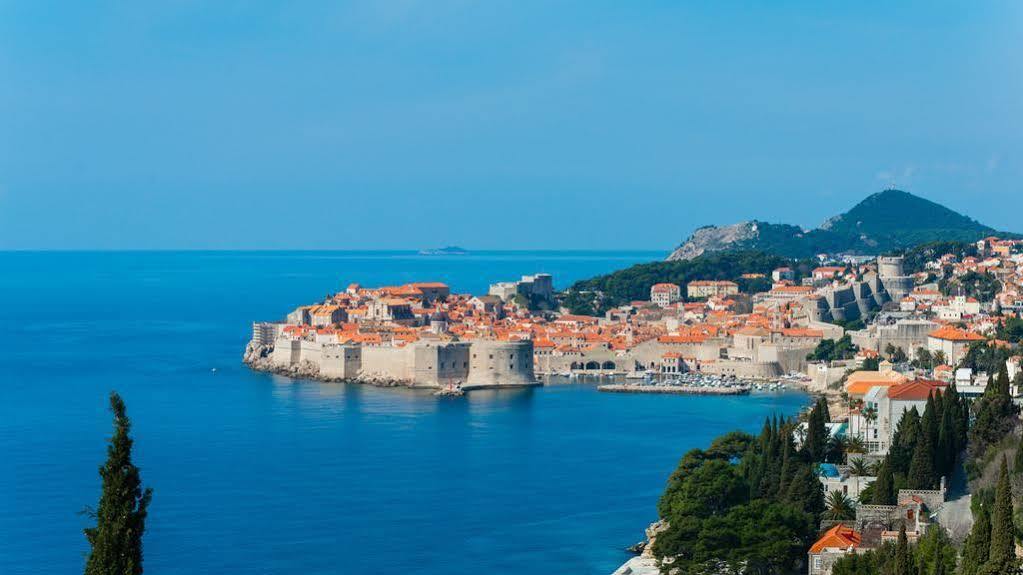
{"points": [[750, 503], [603, 292], [883, 222], [894, 219]]}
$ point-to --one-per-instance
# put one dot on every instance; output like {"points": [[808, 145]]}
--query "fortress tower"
{"points": [[500, 364], [893, 277]]}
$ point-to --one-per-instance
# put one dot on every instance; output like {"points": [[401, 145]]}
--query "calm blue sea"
{"points": [[259, 474]]}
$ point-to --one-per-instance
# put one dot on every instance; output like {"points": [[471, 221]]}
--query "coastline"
{"points": [[258, 358], [644, 563]]}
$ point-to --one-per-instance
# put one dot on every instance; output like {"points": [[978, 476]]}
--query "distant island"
{"points": [[445, 251], [883, 222]]}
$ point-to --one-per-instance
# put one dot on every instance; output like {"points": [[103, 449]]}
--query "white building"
{"points": [[665, 294]]}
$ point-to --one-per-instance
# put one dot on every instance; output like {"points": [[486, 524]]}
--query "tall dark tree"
{"points": [[903, 558], [946, 451], [1002, 557], [1018, 464], [977, 547], [805, 490], [921, 469], [995, 416], [816, 445], [900, 455], [939, 562], [116, 540], [884, 486]]}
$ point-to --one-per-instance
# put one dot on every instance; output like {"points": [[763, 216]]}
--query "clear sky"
{"points": [[518, 124]]}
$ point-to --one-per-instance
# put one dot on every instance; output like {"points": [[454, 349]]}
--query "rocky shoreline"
{"points": [[257, 357], [644, 563]]}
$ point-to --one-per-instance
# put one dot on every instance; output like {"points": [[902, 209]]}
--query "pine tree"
{"points": [[116, 540], [977, 547], [1002, 557]]}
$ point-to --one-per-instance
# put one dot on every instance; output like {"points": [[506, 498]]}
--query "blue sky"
{"points": [[407, 124]]}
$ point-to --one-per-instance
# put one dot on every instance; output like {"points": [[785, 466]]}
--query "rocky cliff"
{"points": [[713, 239]]}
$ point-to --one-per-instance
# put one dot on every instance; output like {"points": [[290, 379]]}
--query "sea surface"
{"points": [[255, 473]]}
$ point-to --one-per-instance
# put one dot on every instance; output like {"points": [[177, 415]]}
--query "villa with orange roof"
{"points": [[860, 382], [836, 543], [952, 342]]}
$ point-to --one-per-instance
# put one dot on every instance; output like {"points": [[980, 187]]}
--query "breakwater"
{"points": [[672, 389]]}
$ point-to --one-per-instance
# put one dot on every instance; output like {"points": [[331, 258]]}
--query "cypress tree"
{"points": [[116, 540], [1018, 464], [939, 562], [929, 421], [978, 545], [1001, 382], [946, 450], [921, 469], [787, 461], [904, 441], [816, 442], [805, 490], [825, 410], [960, 412], [1002, 556], [884, 485], [903, 559]]}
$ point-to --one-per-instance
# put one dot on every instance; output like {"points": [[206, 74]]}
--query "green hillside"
{"points": [[883, 222]]}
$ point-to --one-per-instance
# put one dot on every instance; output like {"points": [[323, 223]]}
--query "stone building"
{"points": [[665, 294], [709, 288], [423, 363]]}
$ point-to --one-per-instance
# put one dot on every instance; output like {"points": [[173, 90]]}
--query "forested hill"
{"points": [[603, 292], [883, 222]]}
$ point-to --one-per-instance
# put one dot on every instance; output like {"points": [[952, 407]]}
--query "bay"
{"points": [[258, 474]]}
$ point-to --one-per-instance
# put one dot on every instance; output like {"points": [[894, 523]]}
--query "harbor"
{"points": [[697, 384]]}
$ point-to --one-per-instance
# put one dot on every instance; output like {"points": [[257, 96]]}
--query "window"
{"points": [[816, 562]]}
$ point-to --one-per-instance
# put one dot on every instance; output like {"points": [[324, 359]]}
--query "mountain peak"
{"points": [[884, 221]]}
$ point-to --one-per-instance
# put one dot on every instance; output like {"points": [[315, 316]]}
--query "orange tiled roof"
{"points": [[916, 390], [951, 333], [860, 382], [681, 339], [838, 537]]}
